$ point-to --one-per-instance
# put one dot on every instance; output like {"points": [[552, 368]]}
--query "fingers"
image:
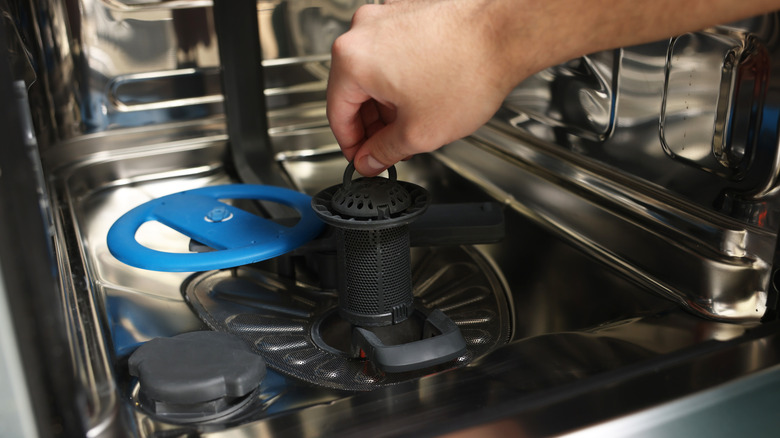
{"points": [[345, 99], [353, 113], [363, 99], [380, 151], [372, 119]]}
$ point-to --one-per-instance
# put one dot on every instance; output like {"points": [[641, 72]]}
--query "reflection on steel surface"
{"points": [[713, 99], [578, 97], [194, 87], [680, 194], [121, 64]]}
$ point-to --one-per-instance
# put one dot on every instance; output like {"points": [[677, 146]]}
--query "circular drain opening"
{"points": [[278, 317]]}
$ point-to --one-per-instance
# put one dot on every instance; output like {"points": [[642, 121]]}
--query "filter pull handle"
{"points": [[443, 343], [350, 170]]}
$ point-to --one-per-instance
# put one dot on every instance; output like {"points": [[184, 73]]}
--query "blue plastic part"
{"points": [[238, 237]]}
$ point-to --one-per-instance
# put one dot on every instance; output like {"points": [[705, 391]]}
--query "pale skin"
{"points": [[413, 75]]}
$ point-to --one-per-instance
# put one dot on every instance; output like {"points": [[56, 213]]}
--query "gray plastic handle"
{"points": [[447, 345]]}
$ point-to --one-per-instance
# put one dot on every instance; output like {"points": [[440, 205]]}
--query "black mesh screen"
{"points": [[377, 272]]}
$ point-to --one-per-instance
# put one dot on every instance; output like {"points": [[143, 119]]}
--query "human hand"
{"points": [[411, 76]]}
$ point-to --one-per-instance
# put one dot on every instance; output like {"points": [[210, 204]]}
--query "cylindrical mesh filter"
{"points": [[372, 217], [376, 289]]}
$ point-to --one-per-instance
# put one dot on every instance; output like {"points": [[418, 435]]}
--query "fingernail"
{"points": [[372, 164]]}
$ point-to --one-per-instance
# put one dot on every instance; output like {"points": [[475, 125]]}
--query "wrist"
{"points": [[527, 36]]}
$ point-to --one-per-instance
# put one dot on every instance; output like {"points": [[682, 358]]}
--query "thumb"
{"points": [[380, 151]]}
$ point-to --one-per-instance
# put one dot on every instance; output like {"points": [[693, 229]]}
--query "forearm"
{"points": [[413, 75], [559, 30]]}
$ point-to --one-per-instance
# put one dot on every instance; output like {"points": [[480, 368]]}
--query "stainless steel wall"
{"points": [[111, 64], [660, 160]]}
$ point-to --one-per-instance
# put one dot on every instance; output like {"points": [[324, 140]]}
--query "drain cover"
{"points": [[290, 323]]}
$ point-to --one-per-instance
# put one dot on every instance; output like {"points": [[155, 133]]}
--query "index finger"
{"points": [[344, 99]]}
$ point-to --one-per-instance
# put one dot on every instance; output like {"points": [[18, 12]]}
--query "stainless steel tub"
{"points": [[639, 270], [574, 320]]}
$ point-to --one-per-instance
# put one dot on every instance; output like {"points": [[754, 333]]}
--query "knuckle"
{"points": [[341, 46], [364, 12]]}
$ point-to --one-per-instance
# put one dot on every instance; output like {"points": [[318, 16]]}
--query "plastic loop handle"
{"points": [[350, 170], [238, 237]]}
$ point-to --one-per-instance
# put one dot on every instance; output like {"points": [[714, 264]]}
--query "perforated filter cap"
{"points": [[370, 203], [376, 197]]}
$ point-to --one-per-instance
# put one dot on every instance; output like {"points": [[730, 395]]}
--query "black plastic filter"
{"points": [[377, 280], [372, 217], [371, 198]]}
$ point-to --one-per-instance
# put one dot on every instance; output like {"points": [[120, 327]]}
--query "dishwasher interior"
{"points": [[632, 262]]}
